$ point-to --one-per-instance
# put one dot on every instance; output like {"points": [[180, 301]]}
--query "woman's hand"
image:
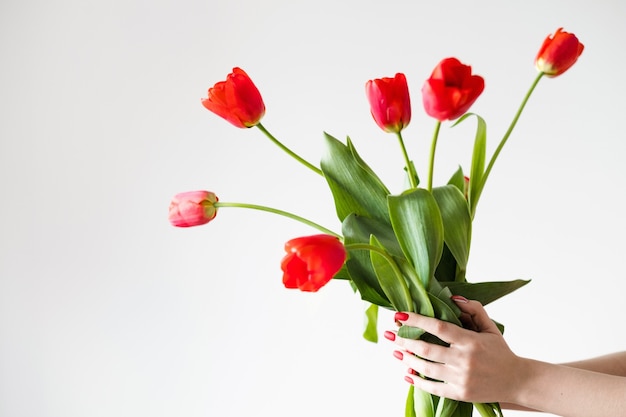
{"points": [[478, 366]]}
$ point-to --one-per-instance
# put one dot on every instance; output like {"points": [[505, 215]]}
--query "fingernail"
{"points": [[408, 379], [397, 354], [401, 316], [459, 299], [390, 335]]}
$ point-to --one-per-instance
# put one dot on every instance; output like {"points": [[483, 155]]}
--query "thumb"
{"points": [[474, 316]]}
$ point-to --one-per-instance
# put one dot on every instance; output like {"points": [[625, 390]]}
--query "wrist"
{"points": [[522, 385]]}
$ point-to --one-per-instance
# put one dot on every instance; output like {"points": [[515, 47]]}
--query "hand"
{"points": [[478, 366]]}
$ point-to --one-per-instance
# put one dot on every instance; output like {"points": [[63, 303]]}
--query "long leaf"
{"points": [[355, 187], [458, 179], [446, 407], [409, 409], [477, 170], [418, 225], [485, 292], [443, 310], [457, 222], [371, 323], [423, 403], [390, 278], [358, 229], [419, 294]]}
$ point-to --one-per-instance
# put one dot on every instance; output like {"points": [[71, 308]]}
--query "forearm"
{"points": [[612, 364], [568, 391]]}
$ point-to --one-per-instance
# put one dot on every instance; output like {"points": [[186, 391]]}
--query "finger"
{"points": [[437, 388], [475, 313], [422, 367], [425, 350], [445, 331]]}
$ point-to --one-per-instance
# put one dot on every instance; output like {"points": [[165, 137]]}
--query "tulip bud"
{"points": [[192, 208], [237, 100], [558, 53], [390, 103]]}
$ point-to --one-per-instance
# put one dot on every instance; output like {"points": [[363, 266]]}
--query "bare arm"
{"points": [[478, 366], [612, 364]]}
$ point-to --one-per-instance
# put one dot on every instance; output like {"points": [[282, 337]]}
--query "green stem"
{"points": [[279, 212], [289, 151], [431, 162], [510, 130], [365, 246], [410, 169]]}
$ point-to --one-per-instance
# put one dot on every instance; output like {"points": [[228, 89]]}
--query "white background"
{"points": [[107, 310]]}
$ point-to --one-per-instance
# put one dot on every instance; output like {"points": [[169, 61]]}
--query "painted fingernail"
{"points": [[397, 354], [390, 335], [401, 316], [459, 299], [408, 379]]}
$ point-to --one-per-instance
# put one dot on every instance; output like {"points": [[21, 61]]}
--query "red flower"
{"points": [[237, 100], [451, 90], [312, 261], [390, 103], [192, 208], [558, 53]]}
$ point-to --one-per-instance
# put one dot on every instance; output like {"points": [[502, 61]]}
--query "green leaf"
{"points": [[447, 268], [408, 332], [364, 279], [409, 410], [457, 223], [423, 403], [443, 311], [477, 170], [419, 294], [418, 225], [458, 179], [390, 278], [355, 187], [445, 295], [358, 229], [486, 410], [485, 292], [343, 273], [446, 407], [371, 322], [463, 409]]}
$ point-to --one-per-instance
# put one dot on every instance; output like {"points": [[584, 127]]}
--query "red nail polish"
{"points": [[408, 379], [459, 299], [397, 354], [390, 335], [401, 316]]}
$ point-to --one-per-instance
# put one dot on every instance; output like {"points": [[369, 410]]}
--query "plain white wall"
{"points": [[107, 310]]}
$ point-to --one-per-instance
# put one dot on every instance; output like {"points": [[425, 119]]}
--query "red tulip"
{"points": [[192, 208], [312, 261], [558, 53], [451, 90], [390, 103], [237, 100]]}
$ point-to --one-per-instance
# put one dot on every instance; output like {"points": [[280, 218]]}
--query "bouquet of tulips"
{"points": [[404, 252]]}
